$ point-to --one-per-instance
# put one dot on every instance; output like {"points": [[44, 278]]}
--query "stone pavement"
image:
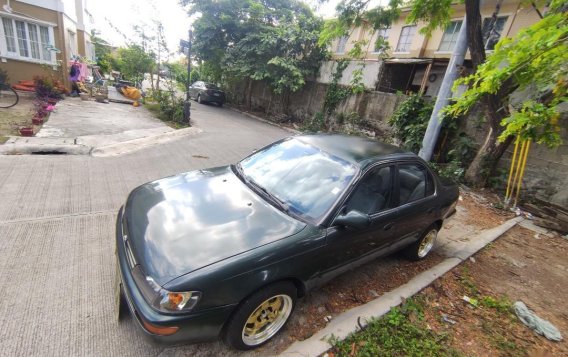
{"points": [[57, 231], [77, 126]]}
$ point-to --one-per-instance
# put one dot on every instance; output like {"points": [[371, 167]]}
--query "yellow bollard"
{"points": [[508, 190], [524, 164]]}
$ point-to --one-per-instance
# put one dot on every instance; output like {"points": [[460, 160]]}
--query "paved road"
{"points": [[57, 230]]}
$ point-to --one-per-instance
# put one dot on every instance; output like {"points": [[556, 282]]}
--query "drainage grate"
{"points": [[53, 152]]}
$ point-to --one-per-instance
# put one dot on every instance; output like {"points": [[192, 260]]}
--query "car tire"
{"points": [[269, 309], [220, 104], [199, 99], [421, 249]]}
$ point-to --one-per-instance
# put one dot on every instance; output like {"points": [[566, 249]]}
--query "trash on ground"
{"points": [[471, 301], [540, 326], [447, 319], [327, 318]]}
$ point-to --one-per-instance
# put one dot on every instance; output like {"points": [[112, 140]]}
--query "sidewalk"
{"points": [[78, 127]]}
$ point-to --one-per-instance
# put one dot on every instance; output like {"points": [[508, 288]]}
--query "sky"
{"points": [[124, 14]]}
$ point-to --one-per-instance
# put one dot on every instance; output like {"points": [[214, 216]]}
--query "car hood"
{"points": [[185, 222]]}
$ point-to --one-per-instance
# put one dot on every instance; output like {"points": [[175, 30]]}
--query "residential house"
{"points": [[416, 62], [41, 37]]}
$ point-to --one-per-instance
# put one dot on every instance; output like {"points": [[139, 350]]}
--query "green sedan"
{"points": [[226, 252]]}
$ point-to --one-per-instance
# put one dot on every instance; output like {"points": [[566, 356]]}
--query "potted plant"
{"points": [[26, 131]]}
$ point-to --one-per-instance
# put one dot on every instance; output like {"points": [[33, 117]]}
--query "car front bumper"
{"points": [[194, 327]]}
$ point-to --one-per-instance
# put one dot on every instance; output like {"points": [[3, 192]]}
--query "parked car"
{"points": [[225, 252], [206, 92]]}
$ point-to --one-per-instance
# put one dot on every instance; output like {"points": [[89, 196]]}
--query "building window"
{"points": [[450, 36], [72, 44], [24, 40], [381, 40], [341, 44], [405, 39], [492, 35]]}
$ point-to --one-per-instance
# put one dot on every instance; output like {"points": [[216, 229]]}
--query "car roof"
{"points": [[355, 149]]}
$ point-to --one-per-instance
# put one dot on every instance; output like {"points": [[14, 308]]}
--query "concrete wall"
{"points": [[546, 173], [370, 72], [374, 107]]}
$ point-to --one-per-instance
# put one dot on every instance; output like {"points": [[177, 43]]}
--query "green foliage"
{"points": [[536, 62], [501, 304], [105, 60], [433, 13], [401, 332], [168, 107], [315, 124], [410, 120], [272, 40], [133, 61], [336, 93]]}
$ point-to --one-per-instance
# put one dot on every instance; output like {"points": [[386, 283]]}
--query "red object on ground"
{"points": [[26, 131], [24, 88], [37, 121], [27, 83]]}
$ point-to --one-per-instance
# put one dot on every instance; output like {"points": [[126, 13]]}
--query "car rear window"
{"points": [[211, 86]]}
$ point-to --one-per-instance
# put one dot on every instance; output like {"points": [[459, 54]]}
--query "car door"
{"points": [[373, 196], [416, 203]]}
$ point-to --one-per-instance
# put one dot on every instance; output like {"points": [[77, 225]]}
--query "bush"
{"points": [[169, 107]]}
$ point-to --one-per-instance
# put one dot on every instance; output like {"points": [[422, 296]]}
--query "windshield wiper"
{"points": [[280, 203], [277, 201]]}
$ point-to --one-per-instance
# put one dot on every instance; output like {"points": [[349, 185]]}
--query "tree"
{"points": [[535, 63], [105, 60], [437, 14], [133, 61], [271, 40]]}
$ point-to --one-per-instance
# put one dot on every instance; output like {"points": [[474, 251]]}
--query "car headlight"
{"points": [[173, 301]]}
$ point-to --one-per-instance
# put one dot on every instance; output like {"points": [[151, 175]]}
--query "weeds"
{"points": [[401, 332]]}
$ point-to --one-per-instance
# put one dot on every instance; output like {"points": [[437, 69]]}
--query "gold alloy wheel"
{"points": [[427, 243], [267, 319]]}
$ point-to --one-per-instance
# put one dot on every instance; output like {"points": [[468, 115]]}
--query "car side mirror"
{"points": [[354, 219]]}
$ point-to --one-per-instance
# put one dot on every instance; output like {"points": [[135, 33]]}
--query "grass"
{"points": [[401, 332]]}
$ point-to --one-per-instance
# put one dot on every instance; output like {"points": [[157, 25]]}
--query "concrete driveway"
{"points": [[56, 237], [57, 216]]}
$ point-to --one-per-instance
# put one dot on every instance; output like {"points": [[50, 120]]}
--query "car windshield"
{"points": [[306, 180]]}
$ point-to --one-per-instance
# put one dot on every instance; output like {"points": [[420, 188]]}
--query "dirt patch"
{"points": [[522, 265], [481, 207], [11, 119]]}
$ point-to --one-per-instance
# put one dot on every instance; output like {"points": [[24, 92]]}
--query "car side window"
{"points": [[373, 194], [415, 182]]}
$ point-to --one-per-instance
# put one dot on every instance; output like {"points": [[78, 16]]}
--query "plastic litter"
{"points": [[540, 326], [472, 301], [445, 318]]}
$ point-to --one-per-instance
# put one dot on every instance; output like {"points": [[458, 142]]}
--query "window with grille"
{"points": [[492, 34], [381, 40], [450, 36], [25, 40], [341, 44], [405, 40]]}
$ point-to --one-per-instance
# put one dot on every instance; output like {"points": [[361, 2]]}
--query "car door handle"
{"points": [[388, 226]]}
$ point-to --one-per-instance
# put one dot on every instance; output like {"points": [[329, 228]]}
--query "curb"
{"points": [[141, 143], [293, 131], [98, 151], [349, 321]]}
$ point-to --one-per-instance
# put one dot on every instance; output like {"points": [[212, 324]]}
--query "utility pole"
{"points": [[444, 95], [187, 103]]}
